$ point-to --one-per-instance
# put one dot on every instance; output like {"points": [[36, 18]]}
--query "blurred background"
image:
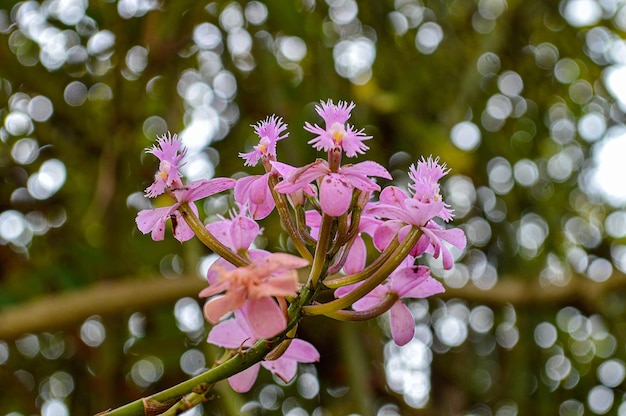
{"points": [[524, 100]]}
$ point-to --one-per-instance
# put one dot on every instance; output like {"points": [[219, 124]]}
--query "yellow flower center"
{"points": [[337, 131]]}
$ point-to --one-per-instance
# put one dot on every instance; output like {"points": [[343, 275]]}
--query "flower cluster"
{"points": [[337, 217]]}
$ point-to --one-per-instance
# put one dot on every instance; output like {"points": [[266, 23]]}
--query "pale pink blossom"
{"points": [[236, 233], [238, 332], [254, 285]]}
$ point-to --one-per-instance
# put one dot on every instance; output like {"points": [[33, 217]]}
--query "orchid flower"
{"points": [[269, 131], [154, 220], [238, 332], [254, 191], [403, 212], [253, 294], [337, 134], [255, 285], [167, 150]]}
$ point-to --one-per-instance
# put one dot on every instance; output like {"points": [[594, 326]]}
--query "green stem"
{"points": [[190, 400], [374, 280], [285, 217], [209, 239], [320, 259], [386, 304], [302, 228], [367, 271], [233, 366], [342, 229]]}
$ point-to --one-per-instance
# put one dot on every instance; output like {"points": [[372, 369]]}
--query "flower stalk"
{"points": [[375, 279], [208, 239]]}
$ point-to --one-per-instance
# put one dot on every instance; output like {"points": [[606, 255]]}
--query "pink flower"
{"points": [[154, 220], [407, 281], [420, 210], [337, 134], [167, 150], [269, 131], [335, 188], [237, 332], [254, 285], [254, 192], [425, 186]]}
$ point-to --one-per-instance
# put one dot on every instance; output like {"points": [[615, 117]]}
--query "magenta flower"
{"points": [[407, 281], [237, 332], [167, 150], [255, 285], [154, 220], [335, 188], [337, 134], [269, 131]]}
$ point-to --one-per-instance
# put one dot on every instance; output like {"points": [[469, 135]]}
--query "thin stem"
{"points": [[323, 241], [340, 258], [200, 395], [301, 225], [285, 217], [209, 239], [374, 280], [367, 271], [388, 301]]}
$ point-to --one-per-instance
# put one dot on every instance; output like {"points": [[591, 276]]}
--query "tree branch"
{"points": [[58, 311], [63, 310]]}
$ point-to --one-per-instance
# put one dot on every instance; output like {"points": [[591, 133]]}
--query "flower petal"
{"points": [[153, 220], [356, 257], [302, 351], [243, 231], [402, 323], [242, 382], [265, 317], [282, 367], [369, 168], [428, 287], [229, 334], [219, 306], [203, 188], [282, 261], [335, 195]]}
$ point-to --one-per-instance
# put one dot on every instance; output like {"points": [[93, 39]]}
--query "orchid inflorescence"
{"points": [[326, 208]]}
